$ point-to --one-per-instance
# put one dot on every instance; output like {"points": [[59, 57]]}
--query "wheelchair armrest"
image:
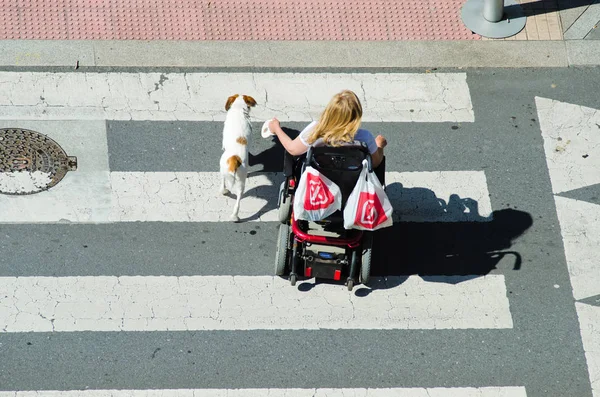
{"points": [[288, 164]]}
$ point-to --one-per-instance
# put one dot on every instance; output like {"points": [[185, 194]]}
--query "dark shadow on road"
{"points": [[269, 161], [544, 7], [449, 248], [437, 238], [445, 252], [457, 246]]}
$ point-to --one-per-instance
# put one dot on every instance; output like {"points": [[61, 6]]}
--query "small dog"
{"points": [[236, 131]]}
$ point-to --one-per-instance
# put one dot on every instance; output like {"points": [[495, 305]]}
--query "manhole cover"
{"points": [[31, 162]]}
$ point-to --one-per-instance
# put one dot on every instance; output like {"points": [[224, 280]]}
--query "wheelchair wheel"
{"points": [[281, 256], [285, 205], [350, 284], [365, 266]]}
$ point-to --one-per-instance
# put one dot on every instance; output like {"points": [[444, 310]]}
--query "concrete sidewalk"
{"points": [[298, 54], [283, 33]]}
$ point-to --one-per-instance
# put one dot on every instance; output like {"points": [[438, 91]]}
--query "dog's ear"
{"points": [[249, 101], [230, 100]]}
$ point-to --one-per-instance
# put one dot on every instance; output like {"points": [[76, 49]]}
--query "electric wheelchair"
{"points": [[324, 249]]}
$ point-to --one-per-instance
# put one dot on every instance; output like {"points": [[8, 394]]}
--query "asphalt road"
{"points": [[543, 352]]}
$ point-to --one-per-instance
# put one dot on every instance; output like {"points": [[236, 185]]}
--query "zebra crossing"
{"points": [[88, 114], [571, 137]]}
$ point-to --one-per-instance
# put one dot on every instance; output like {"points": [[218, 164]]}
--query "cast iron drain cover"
{"points": [[31, 162]]}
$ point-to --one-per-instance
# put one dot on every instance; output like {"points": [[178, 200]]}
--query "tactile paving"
{"points": [[233, 20]]}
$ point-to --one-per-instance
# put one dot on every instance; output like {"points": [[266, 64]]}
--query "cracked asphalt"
{"points": [[543, 351]]}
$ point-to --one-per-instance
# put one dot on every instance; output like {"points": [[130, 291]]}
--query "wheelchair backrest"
{"points": [[341, 164]]}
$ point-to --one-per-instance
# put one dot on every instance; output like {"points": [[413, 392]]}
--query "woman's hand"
{"points": [[294, 147], [381, 141], [274, 125], [377, 157]]}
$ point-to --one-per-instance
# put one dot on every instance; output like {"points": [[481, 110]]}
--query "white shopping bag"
{"points": [[368, 207], [316, 197]]}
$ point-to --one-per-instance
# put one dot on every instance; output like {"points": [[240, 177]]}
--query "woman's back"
{"points": [[362, 135]]}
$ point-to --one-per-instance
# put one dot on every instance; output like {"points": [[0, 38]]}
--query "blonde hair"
{"points": [[339, 121]]}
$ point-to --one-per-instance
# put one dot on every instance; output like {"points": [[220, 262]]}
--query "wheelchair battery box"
{"points": [[324, 261]]}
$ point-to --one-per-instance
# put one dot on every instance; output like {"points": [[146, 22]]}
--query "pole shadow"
{"points": [[541, 7]]}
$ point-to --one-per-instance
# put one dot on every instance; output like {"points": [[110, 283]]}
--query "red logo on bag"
{"points": [[318, 196], [370, 212]]}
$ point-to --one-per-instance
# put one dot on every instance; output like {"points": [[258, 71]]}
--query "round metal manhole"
{"points": [[31, 162]]}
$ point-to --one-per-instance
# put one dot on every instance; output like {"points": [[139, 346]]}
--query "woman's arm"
{"points": [[294, 147], [377, 157]]}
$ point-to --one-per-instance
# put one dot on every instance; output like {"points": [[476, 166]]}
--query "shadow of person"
{"points": [[465, 209], [450, 243], [435, 239]]}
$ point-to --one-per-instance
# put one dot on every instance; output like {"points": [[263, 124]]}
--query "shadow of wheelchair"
{"points": [[446, 242]]}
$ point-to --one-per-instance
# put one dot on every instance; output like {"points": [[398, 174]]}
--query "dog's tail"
{"points": [[233, 163]]}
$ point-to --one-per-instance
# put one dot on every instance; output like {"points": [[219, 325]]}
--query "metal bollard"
{"points": [[493, 10], [493, 18]]}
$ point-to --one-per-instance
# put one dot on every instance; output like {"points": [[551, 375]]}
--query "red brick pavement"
{"points": [[233, 20]]}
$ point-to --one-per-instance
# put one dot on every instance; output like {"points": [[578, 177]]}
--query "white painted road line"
{"points": [[506, 391], [580, 228], [589, 323], [417, 97], [161, 303], [189, 197], [441, 196], [572, 143], [101, 197]]}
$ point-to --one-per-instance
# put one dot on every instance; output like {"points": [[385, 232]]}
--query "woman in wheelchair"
{"points": [[338, 125], [336, 146]]}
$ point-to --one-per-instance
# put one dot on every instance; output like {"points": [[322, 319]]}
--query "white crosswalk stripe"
{"points": [[417, 97], [570, 135], [444, 196], [390, 392], [42, 304], [572, 148]]}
